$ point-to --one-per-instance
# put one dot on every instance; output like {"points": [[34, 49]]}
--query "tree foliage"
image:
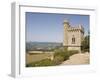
{"points": [[86, 44]]}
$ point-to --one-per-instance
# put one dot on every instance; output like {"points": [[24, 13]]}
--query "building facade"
{"points": [[73, 36]]}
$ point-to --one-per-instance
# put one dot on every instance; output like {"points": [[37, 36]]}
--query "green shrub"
{"points": [[71, 52], [62, 52], [58, 60], [44, 62], [65, 53], [85, 50]]}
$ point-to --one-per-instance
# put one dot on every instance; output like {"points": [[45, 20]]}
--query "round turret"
{"points": [[66, 21], [66, 24]]}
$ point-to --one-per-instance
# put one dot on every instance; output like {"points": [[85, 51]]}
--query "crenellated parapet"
{"points": [[74, 29]]}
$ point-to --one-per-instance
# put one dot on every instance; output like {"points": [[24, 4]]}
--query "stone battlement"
{"points": [[78, 28]]}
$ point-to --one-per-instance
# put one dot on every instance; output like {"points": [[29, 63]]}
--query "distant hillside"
{"points": [[42, 45]]}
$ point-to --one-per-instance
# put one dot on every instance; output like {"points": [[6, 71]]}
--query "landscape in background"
{"points": [[57, 39]]}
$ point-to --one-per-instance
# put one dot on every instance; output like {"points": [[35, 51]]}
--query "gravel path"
{"points": [[80, 58]]}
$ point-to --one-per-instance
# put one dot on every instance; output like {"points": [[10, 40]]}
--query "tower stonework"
{"points": [[73, 36], [66, 26]]}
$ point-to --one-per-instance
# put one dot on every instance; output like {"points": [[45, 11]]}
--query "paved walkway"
{"points": [[80, 58]]}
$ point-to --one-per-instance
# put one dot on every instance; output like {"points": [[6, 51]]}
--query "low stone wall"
{"points": [[75, 48], [31, 52]]}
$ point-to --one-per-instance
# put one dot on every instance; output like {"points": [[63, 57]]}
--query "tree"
{"points": [[86, 44]]}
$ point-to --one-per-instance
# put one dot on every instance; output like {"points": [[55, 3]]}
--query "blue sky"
{"points": [[48, 27]]}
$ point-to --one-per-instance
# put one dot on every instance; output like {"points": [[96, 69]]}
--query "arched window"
{"points": [[73, 40]]}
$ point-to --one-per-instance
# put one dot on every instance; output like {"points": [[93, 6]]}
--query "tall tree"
{"points": [[86, 43]]}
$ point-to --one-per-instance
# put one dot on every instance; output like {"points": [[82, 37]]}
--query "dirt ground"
{"points": [[36, 57], [77, 59]]}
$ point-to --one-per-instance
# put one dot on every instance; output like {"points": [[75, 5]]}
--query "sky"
{"points": [[48, 27]]}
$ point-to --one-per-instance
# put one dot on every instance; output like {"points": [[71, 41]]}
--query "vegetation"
{"points": [[72, 52], [58, 60], [44, 62], [86, 44], [60, 55], [63, 54]]}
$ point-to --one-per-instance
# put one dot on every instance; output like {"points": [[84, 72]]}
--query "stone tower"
{"points": [[66, 26], [73, 36]]}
